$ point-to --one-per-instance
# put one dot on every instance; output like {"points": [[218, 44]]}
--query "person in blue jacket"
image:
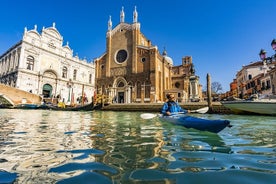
{"points": [[171, 107]]}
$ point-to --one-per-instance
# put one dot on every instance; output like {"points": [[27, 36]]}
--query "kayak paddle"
{"points": [[150, 115]]}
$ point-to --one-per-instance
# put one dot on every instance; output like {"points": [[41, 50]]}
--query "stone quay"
{"points": [[217, 107]]}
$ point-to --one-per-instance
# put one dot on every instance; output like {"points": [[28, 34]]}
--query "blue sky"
{"points": [[220, 35]]}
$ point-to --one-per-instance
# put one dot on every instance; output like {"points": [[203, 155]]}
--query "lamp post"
{"points": [[273, 45], [262, 54]]}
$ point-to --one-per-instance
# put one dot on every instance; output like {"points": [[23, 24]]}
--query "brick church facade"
{"points": [[133, 70]]}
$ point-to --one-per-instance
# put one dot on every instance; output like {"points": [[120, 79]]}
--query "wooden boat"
{"points": [[214, 126], [86, 107], [26, 106], [262, 106]]}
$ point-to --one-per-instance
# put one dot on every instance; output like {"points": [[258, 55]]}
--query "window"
{"points": [[177, 84], [249, 76], [121, 56], [30, 63], [121, 84], [90, 78], [268, 84], [75, 75], [64, 72], [143, 60]]}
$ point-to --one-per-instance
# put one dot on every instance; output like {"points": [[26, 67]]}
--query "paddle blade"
{"points": [[201, 110], [148, 116]]}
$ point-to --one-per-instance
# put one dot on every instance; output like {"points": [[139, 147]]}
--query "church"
{"points": [[132, 69], [42, 65]]}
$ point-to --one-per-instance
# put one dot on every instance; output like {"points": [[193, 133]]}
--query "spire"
{"points": [[122, 15], [54, 25], [109, 24], [135, 15]]}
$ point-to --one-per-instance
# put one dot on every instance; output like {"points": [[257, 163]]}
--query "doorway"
{"points": [[47, 90], [121, 98]]}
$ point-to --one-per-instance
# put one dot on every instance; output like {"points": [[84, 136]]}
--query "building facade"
{"points": [[133, 70], [42, 65], [257, 77]]}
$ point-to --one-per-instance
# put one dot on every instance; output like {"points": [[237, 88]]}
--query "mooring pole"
{"points": [[209, 92]]}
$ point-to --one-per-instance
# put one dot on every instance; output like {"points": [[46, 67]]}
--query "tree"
{"points": [[216, 87]]}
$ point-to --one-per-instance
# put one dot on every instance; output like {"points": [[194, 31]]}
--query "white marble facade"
{"points": [[42, 65]]}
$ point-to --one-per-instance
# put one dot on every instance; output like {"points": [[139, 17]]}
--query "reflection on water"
{"points": [[120, 147]]}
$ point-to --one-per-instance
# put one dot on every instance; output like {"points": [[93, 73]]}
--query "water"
{"points": [[41, 146]]}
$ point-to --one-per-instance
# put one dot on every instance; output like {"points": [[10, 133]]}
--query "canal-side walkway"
{"points": [[217, 107]]}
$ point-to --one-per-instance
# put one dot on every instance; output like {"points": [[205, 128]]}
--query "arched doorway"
{"points": [[47, 90]]}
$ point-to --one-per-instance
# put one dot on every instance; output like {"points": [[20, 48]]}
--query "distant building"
{"points": [[256, 78], [133, 70], [42, 65], [272, 74], [233, 89]]}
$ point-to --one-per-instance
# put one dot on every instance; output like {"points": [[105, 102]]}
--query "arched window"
{"points": [[121, 84], [30, 63], [64, 72], [138, 90]]}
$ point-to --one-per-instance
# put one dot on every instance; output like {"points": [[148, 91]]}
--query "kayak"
{"points": [[214, 126]]}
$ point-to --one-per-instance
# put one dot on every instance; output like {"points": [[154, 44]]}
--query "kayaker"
{"points": [[171, 106]]}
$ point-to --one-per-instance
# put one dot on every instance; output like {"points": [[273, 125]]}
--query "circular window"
{"points": [[121, 56], [177, 85], [143, 60]]}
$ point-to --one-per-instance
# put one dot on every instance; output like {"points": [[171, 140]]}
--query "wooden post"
{"points": [[209, 92]]}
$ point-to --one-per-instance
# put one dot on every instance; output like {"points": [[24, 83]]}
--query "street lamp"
{"points": [[262, 54], [273, 45]]}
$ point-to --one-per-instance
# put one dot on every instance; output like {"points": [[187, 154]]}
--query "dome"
{"points": [[167, 58]]}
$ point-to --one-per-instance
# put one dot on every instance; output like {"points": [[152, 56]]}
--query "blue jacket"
{"points": [[172, 107]]}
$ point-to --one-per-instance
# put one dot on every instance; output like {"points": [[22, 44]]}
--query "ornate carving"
{"points": [[118, 71]]}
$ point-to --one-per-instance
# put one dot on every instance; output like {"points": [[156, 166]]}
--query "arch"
{"points": [[53, 32], [67, 50], [64, 72], [47, 90], [35, 34], [7, 99], [50, 73], [120, 92], [121, 81], [30, 62]]}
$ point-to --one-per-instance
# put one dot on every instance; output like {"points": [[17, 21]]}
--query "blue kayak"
{"points": [[197, 123]]}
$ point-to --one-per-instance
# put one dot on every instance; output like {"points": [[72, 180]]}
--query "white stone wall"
{"points": [[49, 56]]}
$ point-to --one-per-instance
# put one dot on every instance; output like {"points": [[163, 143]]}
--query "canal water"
{"points": [[42, 146]]}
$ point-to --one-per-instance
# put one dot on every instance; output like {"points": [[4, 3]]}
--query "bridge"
{"points": [[10, 96]]}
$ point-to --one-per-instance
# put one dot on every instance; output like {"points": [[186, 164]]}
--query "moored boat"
{"points": [[214, 126], [27, 106], [262, 106], [86, 107]]}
